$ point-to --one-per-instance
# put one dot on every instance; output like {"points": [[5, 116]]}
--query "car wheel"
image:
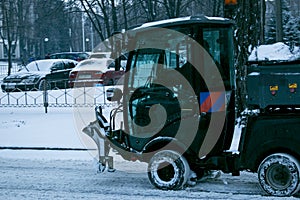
{"points": [[168, 170], [278, 175], [44, 85]]}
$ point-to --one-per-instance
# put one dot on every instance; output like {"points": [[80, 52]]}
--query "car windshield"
{"points": [[95, 64], [40, 65]]}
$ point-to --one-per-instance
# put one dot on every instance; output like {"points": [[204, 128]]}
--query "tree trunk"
{"points": [[279, 32], [262, 21], [114, 16], [9, 42], [125, 14], [247, 35]]}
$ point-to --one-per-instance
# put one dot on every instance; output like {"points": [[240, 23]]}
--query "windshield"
{"points": [[95, 64], [144, 66], [181, 51], [40, 65]]}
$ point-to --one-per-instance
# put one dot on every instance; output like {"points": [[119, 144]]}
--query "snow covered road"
{"points": [[78, 179], [45, 174]]}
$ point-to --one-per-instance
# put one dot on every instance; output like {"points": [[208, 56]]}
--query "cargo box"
{"points": [[273, 84]]}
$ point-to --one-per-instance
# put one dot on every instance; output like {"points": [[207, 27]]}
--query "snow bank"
{"points": [[277, 51]]}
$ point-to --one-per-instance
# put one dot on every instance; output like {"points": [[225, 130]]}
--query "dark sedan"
{"points": [[77, 56], [40, 75]]}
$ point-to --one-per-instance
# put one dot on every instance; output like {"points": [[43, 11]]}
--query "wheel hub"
{"points": [[279, 176], [166, 171]]}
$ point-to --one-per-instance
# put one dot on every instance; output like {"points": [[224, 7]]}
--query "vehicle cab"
{"points": [[181, 70], [177, 100]]}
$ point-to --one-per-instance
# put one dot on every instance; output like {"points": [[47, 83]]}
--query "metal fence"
{"points": [[4, 68], [68, 97]]}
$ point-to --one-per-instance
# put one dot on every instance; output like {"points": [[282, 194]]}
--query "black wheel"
{"points": [[278, 175], [168, 170], [44, 85]]}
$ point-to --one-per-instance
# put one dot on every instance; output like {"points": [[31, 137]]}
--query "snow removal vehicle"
{"points": [[178, 109]]}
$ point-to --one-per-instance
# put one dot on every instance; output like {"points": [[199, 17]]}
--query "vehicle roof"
{"points": [[51, 61], [55, 60], [95, 54], [94, 64], [101, 52], [68, 53], [202, 19]]}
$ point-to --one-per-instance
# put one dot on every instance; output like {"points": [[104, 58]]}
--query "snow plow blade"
{"points": [[98, 133]]}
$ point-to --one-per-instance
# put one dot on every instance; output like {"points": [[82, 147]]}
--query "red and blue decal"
{"points": [[212, 101]]}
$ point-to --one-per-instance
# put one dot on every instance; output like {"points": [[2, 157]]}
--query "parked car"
{"points": [[78, 56], [91, 72], [40, 75], [123, 57], [100, 55]]}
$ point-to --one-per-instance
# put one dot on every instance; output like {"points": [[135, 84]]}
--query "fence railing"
{"points": [[4, 69], [66, 97]]}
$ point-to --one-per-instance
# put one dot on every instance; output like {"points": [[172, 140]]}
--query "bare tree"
{"points": [[279, 32], [114, 15], [124, 7], [103, 15], [25, 28], [9, 29], [262, 21], [247, 19], [150, 9], [173, 7], [218, 6], [95, 18], [177, 8], [51, 28]]}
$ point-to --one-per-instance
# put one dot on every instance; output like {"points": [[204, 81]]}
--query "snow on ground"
{"points": [[31, 127], [53, 174], [277, 51], [69, 179]]}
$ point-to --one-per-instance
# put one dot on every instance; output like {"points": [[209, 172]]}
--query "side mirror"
{"points": [[114, 94], [111, 65], [53, 69]]}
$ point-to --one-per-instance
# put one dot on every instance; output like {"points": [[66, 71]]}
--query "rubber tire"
{"points": [[271, 171], [42, 85], [174, 176]]}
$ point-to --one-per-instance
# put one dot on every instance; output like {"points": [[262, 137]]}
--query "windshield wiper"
{"points": [[26, 68], [37, 66]]}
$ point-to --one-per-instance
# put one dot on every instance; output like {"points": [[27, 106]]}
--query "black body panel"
{"points": [[269, 133]]}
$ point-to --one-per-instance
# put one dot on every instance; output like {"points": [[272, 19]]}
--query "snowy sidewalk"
{"points": [[31, 128]]}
